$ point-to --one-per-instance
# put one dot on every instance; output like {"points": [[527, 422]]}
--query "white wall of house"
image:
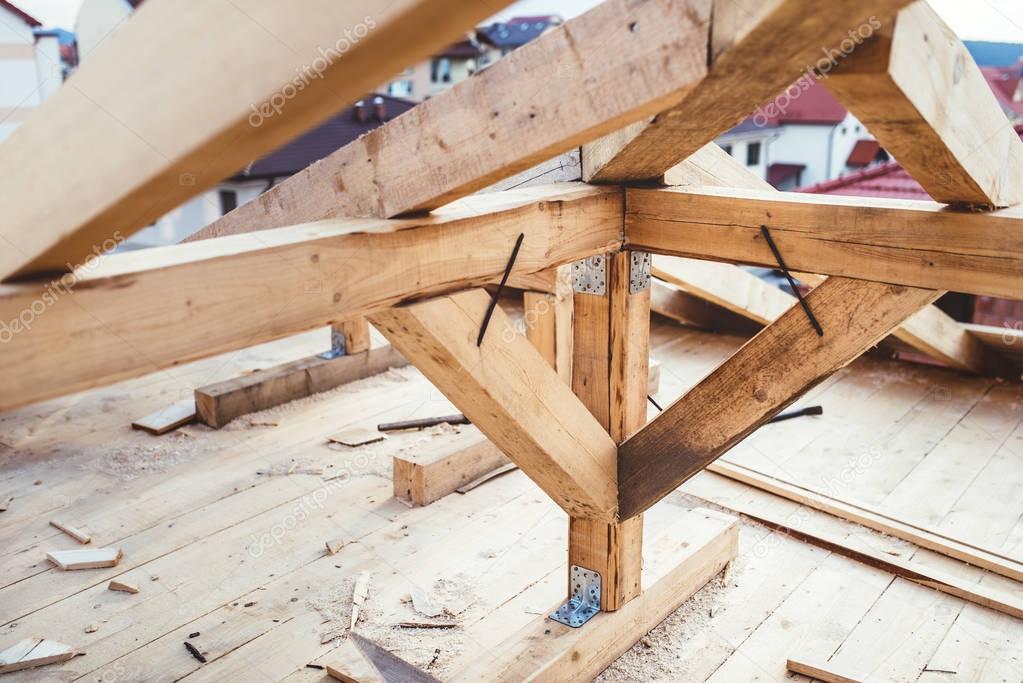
{"points": [[739, 146], [97, 20], [25, 82], [804, 144]]}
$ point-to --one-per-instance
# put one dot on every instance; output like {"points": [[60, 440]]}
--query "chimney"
{"points": [[361, 112], [379, 109]]}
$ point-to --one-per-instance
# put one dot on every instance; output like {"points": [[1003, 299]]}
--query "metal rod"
{"points": [[423, 423], [812, 410], [792, 283], [659, 408], [500, 288]]}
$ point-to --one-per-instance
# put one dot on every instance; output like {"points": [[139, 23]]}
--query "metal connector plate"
{"points": [[584, 601]]}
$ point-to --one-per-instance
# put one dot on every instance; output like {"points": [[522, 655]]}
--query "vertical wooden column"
{"points": [[609, 374], [548, 318], [355, 333]]}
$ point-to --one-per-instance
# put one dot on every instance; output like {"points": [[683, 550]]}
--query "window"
{"points": [[228, 201], [753, 154], [440, 70], [728, 149], [402, 88]]}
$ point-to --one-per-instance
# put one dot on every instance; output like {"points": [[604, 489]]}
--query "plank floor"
{"points": [[224, 531]]}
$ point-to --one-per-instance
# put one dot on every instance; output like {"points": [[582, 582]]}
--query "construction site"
{"points": [[494, 392]]}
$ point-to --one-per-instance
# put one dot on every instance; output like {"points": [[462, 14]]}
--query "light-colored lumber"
{"points": [[653, 377], [154, 150], [915, 86], [347, 663], [541, 331], [429, 472], [355, 333], [97, 558], [821, 671], [775, 368], [873, 518], [668, 300], [357, 436], [483, 130], [359, 595], [33, 652], [72, 531], [749, 64], [919, 244], [224, 401], [609, 375], [680, 562], [515, 398], [122, 586], [290, 279], [492, 474], [1006, 341], [168, 418]]}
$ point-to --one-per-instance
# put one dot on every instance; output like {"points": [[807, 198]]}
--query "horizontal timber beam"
{"points": [[771, 371], [919, 244], [157, 142], [230, 293], [512, 394]]}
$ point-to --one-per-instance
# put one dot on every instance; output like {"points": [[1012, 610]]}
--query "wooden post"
{"points": [[609, 374], [548, 319], [355, 333]]}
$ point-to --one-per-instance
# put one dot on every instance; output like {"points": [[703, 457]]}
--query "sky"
{"points": [[996, 20]]}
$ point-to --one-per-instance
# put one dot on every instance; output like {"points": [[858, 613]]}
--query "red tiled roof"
{"points": [[1004, 81], [863, 153], [25, 16], [463, 49], [815, 105], [779, 173]]}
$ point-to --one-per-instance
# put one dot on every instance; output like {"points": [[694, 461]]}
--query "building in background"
{"points": [[98, 19], [31, 68]]}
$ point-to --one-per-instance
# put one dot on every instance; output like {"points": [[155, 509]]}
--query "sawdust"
{"points": [[132, 460]]}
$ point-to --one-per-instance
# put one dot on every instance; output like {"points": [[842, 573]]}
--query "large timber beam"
{"points": [[135, 313], [916, 87], [549, 96], [512, 394], [153, 151], [771, 371], [757, 49], [920, 244]]}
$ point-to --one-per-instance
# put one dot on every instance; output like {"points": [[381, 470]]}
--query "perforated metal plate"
{"points": [[639, 271], [589, 276], [584, 601]]}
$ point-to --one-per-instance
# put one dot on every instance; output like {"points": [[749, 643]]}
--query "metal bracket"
{"points": [[584, 602], [337, 345], [589, 276], [639, 271]]}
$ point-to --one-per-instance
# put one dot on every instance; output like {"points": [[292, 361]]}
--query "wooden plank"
{"points": [[541, 328], [919, 244], [431, 472], [219, 403], [748, 66], [671, 302], [97, 558], [1006, 341], [292, 278], [821, 671], [515, 398], [33, 652], [168, 418], [680, 562], [875, 519], [355, 333], [915, 86], [72, 531], [660, 51], [153, 158], [771, 371]]}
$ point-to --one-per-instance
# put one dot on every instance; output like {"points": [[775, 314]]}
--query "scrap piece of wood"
{"points": [[678, 563], [823, 671], [653, 378], [357, 436], [73, 532], [334, 546], [915, 86], [492, 474], [555, 440], [875, 519], [771, 371], [429, 472], [33, 652], [220, 121], [348, 664], [222, 402], [97, 558], [89, 347], [660, 50], [359, 595], [122, 586], [360, 660], [168, 418], [746, 69]]}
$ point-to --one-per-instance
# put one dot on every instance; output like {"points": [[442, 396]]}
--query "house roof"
{"points": [[1004, 82], [813, 106], [517, 31], [887, 180], [779, 173], [21, 14], [463, 49], [863, 153]]}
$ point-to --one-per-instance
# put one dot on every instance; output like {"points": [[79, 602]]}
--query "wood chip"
{"points": [[424, 603], [493, 474], [334, 547], [32, 652], [123, 587], [91, 628], [358, 436], [359, 596], [85, 559], [166, 419], [71, 531]]}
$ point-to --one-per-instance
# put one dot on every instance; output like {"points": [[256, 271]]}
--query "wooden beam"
{"points": [[916, 87], [430, 472], [771, 371], [548, 320], [919, 244], [515, 398], [609, 375], [749, 64], [113, 322], [354, 332], [484, 130], [668, 300], [153, 152]]}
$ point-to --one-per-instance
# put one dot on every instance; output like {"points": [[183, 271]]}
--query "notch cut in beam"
{"points": [[767, 374], [507, 389]]}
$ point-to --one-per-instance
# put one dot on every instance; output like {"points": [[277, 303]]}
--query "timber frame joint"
{"points": [[584, 601]]}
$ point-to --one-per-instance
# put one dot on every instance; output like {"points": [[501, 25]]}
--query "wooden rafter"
{"points": [[137, 312], [749, 64], [152, 153], [771, 371], [511, 393]]}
